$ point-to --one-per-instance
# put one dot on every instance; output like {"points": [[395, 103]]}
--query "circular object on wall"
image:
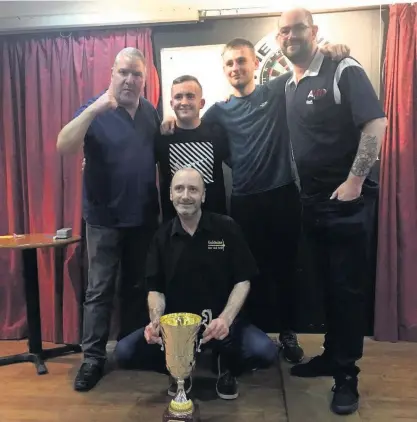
{"points": [[272, 62]]}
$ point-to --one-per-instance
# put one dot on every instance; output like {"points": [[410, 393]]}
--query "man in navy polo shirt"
{"points": [[336, 126], [117, 130]]}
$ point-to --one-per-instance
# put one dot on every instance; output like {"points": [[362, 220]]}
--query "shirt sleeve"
{"points": [[243, 263], [90, 130], [154, 268], [278, 83], [222, 142], [211, 116], [356, 92], [158, 147]]}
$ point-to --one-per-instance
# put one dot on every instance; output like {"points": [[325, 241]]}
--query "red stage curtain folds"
{"points": [[43, 80]]}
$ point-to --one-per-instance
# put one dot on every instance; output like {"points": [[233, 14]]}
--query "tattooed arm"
{"points": [[156, 305], [235, 302], [368, 150]]}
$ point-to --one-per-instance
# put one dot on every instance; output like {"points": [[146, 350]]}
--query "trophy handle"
{"points": [[207, 315]]}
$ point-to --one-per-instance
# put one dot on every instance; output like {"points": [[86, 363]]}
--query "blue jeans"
{"points": [[246, 347]]}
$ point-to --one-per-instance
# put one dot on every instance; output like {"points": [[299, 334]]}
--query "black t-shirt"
{"points": [[198, 272], [203, 148]]}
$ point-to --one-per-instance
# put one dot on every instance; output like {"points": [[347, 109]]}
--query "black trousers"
{"points": [[271, 223], [113, 252], [336, 233]]}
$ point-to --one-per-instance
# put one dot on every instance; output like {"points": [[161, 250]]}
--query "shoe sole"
{"points": [[294, 362], [345, 410], [290, 361], [227, 396]]}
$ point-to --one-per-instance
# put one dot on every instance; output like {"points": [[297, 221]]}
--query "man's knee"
{"points": [[123, 353], [262, 351], [126, 349], [267, 351]]}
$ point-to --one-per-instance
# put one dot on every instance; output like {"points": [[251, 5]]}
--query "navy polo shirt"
{"points": [[259, 144], [327, 111], [119, 187]]}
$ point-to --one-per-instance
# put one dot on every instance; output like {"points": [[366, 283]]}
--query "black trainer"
{"points": [[226, 386], [172, 389], [88, 376], [345, 395], [291, 349], [319, 366]]}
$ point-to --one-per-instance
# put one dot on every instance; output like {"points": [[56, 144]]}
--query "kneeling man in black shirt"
{"points": [[199, 260]]}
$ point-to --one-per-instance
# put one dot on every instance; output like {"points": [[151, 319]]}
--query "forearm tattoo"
{"points": [[156, 305], [366, 155]]}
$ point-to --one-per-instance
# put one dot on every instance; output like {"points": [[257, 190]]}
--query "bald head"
{"points": [[297, 35], [129, 53], [299, 14], [187, 192], [188, 173]]}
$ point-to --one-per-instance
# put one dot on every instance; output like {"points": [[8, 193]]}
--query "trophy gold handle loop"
{"points": [[207, 315]]}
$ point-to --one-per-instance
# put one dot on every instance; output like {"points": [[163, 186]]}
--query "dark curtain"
{"points": [[43, 80], [396, 285]]}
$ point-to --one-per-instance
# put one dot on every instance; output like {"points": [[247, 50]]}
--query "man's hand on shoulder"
{"points": [[335, 51], [218, 329], [168, 125]]}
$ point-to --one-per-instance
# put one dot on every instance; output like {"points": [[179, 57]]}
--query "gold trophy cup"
{"points": [[179, 338]]}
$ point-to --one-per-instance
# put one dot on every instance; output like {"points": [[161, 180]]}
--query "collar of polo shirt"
{"points": [[313, 69]]}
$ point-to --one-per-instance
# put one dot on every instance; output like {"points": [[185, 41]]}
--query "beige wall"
{"points": [[363, 32], [18, 16]]}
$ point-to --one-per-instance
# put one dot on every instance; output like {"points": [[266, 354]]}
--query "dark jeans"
{"points": [[337, 235], [271, 223], [246, 347], [113, 251]]}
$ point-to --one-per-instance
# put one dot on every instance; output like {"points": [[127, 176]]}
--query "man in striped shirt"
{"points": [[196, 144]]}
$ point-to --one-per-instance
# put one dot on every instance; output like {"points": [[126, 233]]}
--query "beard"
{"points": [[186, 210], [298, 52]]}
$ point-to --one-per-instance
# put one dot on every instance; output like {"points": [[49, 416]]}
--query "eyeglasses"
{"points": [[296, 30]]}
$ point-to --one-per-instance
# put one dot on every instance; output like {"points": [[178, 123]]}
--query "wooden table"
{"points": [[29, 243]]}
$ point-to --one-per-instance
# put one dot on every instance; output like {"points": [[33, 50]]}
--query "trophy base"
{"points": [[193, 417]]}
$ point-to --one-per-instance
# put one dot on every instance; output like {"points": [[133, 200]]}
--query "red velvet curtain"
{"points": [[43, 80], [396, 285]]}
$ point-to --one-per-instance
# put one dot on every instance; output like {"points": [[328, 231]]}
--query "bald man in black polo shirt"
{"points": [[336, 126], [200, 260]]}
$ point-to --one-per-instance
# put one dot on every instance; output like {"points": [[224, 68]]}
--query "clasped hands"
{"points": [[218, 329]]}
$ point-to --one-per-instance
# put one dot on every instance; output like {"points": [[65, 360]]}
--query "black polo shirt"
{"points": [[199, 272], [326, 112], [119, 187]]}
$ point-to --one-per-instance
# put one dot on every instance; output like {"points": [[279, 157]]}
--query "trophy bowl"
{"points": [[179, 333]]}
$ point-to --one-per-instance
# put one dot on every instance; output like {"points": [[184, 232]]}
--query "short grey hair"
{"points": [[130, 52]]}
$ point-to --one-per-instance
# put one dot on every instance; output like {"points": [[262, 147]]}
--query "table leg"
{"points": [[36, 354]]}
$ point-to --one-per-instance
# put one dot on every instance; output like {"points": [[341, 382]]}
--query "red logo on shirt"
{"points": [[316, 94]]}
